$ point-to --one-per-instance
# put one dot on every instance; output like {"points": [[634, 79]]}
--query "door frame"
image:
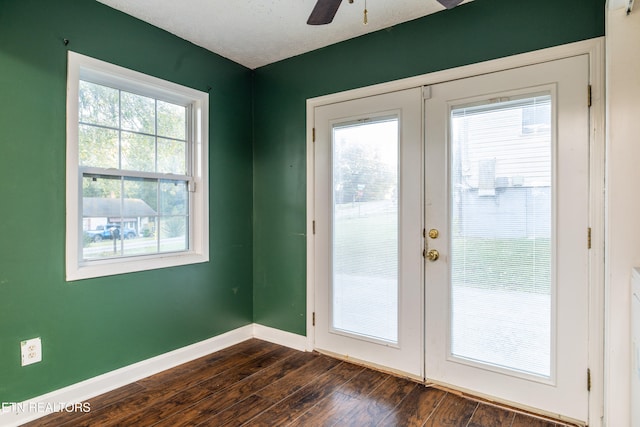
{"points": [[594, 48]]}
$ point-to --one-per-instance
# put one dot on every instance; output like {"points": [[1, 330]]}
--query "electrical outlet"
{"points": [[31, 351]]}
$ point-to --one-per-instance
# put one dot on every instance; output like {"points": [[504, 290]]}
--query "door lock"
{"points": [[432, 255]]}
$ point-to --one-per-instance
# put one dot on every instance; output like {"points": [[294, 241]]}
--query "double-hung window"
{"points": [[136, 171]]}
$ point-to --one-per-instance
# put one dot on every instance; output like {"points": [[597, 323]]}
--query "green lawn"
{"points": [[137, 246], [515, 264], [366, 244]]}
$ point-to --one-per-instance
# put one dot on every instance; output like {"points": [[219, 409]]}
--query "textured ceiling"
{"points": [[258, 32]]}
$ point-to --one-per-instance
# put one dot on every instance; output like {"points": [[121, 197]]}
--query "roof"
{"points": [[98, 207]]}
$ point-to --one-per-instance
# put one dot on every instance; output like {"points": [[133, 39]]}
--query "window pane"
{"points": [[140, 209], [125, 216], [138, 152], [101, 197], [98, 147], [173, 233], [174, 197], [144, 190], [172, 156], [138, 113], [365, 229], [174, 208], [501, 223], [101, 216], [98, 104], [172, 120]]}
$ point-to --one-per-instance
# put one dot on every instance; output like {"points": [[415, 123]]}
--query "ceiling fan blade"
{"points": [[323, 12], [449, 4]]}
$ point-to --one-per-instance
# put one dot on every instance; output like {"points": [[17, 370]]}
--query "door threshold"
{"points": [[510, 406], [466, 394], [375, 367]]}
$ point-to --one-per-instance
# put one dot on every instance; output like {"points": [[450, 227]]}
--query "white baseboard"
{"points": [[276, 336], [18, 413]]}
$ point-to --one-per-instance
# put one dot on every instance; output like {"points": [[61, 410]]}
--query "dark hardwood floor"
{"points": [[256, 383]]}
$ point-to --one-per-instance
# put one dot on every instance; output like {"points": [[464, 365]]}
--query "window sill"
{"points": [[113, 267]]}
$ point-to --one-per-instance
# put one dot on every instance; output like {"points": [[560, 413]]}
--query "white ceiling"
{"points": [[258, 32]]}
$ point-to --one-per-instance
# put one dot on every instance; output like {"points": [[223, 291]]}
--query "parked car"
{"points": [[110, 231]]}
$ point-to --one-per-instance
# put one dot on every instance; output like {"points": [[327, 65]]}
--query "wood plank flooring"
{"points": [[256, 383]]}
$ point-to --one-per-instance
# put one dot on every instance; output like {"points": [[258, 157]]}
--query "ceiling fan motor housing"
{"points": [[325, 10]]}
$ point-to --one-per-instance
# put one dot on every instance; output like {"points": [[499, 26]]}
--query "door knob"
{"points": [[433, 255]]}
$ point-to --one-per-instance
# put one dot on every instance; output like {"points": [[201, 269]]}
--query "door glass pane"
{"points": [[501, 234], [365, 229]]}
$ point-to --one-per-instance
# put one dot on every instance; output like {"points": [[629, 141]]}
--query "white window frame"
{"points": [[84, 67]]}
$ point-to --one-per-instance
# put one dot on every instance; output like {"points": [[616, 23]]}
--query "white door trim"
{"points": [[595, 49]]}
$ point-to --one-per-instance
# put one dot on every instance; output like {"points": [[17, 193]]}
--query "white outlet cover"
{"points": [[31, 351]]}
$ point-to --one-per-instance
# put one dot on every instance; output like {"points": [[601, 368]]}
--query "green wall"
{"points": [[94, 326], [478, 31]]}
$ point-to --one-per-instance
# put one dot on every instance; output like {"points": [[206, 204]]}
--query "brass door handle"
{"points": [[433, 255]]}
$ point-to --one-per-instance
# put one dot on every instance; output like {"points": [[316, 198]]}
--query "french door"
{"points": [[368, 185], [451, 234], [507, 159]]}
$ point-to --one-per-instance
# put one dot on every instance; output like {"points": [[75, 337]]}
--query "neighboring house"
{"points": [[491, 146], [131, 213]]}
